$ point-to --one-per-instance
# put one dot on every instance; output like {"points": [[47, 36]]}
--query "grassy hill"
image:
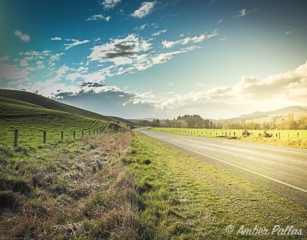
{"points": [[31, 114], [26, 98], [128, 122], [278, 114]]}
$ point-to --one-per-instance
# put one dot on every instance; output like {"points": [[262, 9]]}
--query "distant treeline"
{"points": [[196, 121]]}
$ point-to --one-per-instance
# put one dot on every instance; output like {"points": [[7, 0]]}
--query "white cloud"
{"points": [[74, 43], [56, 39], [158, 33], [23, 37], [220, 21], [40, 64], [109, 4], [13, 72], [98, 17], [146, 95], [4, 58], [196, 39], [82, 69], [46, 88], [120, 51], [60, 73], [289, 32], [55, 57], [145, 9], [289, 88], [36, 55], [18, 33], [242, 13], [23, 63], [142, 27], [164, 57]]}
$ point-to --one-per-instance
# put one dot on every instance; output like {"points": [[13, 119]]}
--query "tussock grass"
{"points": [[181, 197], [76, 190]]}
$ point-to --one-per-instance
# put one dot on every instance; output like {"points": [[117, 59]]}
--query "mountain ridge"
{"points": [[285, 110]]}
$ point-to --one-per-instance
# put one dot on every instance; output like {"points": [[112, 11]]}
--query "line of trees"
{"points": [[196, 121], [186, 121]]}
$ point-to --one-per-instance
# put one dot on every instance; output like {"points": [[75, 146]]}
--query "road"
{"points": [[279, 169]]}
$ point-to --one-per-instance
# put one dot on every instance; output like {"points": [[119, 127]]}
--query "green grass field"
{"points": [[32, 121], [284, 134], [32, 114], [292, 138], [182, 197]]}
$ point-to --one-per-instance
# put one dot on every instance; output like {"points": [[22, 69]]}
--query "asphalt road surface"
{"points": [[279, 169]]}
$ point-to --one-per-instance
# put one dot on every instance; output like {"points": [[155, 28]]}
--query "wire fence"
{"points": [[45, 136]]}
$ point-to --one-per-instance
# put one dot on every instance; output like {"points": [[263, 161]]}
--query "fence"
{"points": [[277, 134], [73, 134]]}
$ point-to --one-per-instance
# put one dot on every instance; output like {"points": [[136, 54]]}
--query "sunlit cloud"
{"points": [[74, 43], [158, 33], [98, 17], [196, 39], [109, 4], [145, 9]]}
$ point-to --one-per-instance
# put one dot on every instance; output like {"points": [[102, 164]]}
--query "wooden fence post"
{"points": [[298, 135], [62, 135], [89, 132], [44, 136], [82, 134], [74, 134], [15, 138]]}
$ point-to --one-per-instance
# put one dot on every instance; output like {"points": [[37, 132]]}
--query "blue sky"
{"points": [[160, 59]]}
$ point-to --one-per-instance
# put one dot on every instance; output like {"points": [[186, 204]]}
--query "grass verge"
{"points": [[181, 197], [70, 190]]}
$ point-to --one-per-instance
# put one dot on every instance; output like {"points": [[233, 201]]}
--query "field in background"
{"points": [[293, 138], [182, 197]]}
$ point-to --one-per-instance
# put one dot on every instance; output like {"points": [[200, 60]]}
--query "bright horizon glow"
{"points": [[158, 59]]}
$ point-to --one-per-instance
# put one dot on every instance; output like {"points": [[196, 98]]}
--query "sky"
{"points": [[157, 59]]}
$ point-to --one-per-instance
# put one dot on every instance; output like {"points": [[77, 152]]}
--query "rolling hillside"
{"points": [[31, 114], [279, 113], [8, 96]]}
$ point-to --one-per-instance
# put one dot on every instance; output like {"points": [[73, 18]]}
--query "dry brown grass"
{"points": [[81, 192]]}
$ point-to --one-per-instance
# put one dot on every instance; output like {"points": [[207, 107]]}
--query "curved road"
{"points": [[279, 169]]}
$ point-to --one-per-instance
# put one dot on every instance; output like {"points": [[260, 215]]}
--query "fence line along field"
{"points": [[32, 121], [294, 138]]}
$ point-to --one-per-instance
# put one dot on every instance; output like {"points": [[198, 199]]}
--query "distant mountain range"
{"points": [[281, 111]]}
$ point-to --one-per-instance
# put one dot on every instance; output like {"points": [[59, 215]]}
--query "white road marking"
{"points": [[259, 174]]}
